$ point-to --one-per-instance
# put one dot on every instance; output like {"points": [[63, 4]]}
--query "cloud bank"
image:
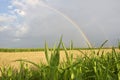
{"points": [[29, 23]]}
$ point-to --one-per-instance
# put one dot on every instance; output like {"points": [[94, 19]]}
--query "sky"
{"points": [[29, 23]]}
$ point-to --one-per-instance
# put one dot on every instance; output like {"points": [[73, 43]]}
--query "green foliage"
{"points": [[20, 49], [97, 66], [119, 44]]}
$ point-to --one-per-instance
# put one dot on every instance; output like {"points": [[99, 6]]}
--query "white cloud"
{"points": [[14, 31], [31, 2], [7, 18], [16, 39], [20, 12], [18, 3], [24, 4], [4, 28], [21, 30], [10, 7], [23, 7]]}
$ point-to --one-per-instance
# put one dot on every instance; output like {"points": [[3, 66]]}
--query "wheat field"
{"points": [[8, 58]]}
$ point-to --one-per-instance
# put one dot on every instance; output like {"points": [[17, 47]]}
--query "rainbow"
{"points": [[70, 20]]}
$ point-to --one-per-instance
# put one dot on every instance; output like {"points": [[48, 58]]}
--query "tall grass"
{"points": [[97, 66]]}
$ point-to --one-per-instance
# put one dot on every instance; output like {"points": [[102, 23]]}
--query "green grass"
{"points": [[93, 67]]}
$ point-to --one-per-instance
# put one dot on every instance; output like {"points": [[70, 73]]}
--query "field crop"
{"points": [[95, 65], [20, 49]]}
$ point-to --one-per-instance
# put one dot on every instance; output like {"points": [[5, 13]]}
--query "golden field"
{"points": [[8, 58]]}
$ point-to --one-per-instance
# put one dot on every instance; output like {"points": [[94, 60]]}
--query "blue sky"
{"points": [[28, 23], [4, 6]]}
